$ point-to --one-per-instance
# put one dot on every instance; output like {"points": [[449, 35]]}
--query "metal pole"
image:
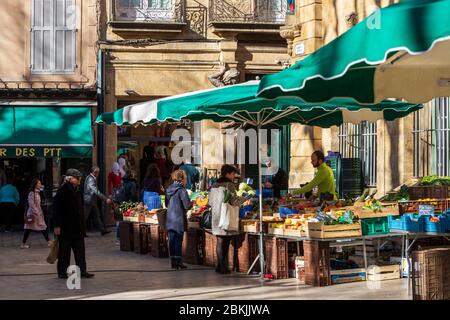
{"points": [[261, 238]]}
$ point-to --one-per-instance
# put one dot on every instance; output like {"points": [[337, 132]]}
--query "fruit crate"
{"points": [[193, 246], [321, 231], [142, 239], [159, 247], [440, 205], [380, 273], [431, 274], [437, 227], [317, 263], [209, 245], [276, 255], [275, 231], [407, 222], [374, 226], [390, 210], [423, 192], [126, 236], [294, 233], [348, 275]]}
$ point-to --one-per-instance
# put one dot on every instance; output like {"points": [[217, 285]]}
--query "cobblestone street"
{"points": [[24, 274]]}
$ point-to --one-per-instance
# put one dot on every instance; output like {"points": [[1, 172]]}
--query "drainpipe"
{"points": [[100, 109]]}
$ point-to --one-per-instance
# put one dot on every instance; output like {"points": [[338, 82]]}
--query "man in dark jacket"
{"points": [[70, 224], [278, 179]]}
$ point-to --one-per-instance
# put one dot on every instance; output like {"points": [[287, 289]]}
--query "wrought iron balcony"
{"points": [[248, 11], [152, 11]]}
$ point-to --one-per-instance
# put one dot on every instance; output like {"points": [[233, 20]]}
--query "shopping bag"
{"points": [[53, 255], [229, 217]]}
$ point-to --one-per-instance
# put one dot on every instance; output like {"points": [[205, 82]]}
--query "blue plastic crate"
{"points": [[243, 211], [152, 200], [284, 211], [407, 222], [437, 227], [266, 193]]}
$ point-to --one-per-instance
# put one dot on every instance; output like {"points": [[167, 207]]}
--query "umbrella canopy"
{"points": [[401, 51], [238, 103]]}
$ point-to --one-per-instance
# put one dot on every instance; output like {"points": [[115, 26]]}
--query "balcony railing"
{"points": [[249, 11], [159, 11]]}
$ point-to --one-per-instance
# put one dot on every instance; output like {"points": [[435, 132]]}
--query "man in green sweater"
{"points": [[324, 178]]}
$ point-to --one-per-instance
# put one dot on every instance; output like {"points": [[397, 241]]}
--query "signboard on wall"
{"points": [[46, 152]]}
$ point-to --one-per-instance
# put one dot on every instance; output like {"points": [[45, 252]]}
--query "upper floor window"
{"points": [[146, 10], [53, 36]]}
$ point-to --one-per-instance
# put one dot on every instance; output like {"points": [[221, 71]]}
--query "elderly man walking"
{"points": [[91, 194], [70, 225]]}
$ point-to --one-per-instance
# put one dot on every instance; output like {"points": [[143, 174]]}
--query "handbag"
{"points": [[28, 218], [54, 248], [206, 222]]}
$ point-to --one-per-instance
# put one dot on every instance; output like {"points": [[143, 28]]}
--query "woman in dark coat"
{"points": [[152, 181], [176, 223]]}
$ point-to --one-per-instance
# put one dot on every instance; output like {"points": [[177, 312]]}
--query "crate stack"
{"points": [[247, 251], [276, 256], [193, 246], [371, 252], [159, 247], [210, 243], [431, 274], [351, 178], [126, 236], [317, 263], [141, 238]]}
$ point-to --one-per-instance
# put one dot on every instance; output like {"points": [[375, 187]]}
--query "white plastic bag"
{"points": [[229, 217]]}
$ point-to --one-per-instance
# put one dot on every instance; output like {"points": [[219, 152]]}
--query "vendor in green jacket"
{"points": [[324, 178]]}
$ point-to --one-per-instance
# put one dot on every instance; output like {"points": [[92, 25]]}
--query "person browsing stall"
{"points": [[277, 179]]}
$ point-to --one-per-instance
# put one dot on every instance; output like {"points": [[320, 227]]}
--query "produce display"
{"points": [[373, 205], [435, 181], [245, 190]]}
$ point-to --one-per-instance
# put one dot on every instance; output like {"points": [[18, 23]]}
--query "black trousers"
{"points": [[95, 211], [27, 232], [223, 246], [7, 213], [65, 248]]}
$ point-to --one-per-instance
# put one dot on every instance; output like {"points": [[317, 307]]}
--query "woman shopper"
{"points": [[216, 197], [152, 181], [114, 178], [34, 217], [178, 202]]}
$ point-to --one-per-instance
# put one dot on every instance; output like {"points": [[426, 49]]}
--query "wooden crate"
{"points": [[348, 275], [380, 273], [321, 231], [159, 247], [431, 274], [126, 236], [276, 231], [134, 219], [193, 251], [210, 243], [366, 214], [150, 220], [317, 263], [294, 233], [276, 255], [142, 239], [193, 225], [254, 227], [412, 206], [424, 192]]}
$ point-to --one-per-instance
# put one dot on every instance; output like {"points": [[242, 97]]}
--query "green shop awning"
{"points": [[45, 131]]}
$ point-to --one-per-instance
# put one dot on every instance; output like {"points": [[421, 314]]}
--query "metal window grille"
{"points": [[360, 141], [431, 137]]}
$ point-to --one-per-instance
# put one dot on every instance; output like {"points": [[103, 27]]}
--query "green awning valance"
{"points": [[64, 128]]}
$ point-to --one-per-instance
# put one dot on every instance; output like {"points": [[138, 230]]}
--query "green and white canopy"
{"points": [[238, 103], [401, 51]]}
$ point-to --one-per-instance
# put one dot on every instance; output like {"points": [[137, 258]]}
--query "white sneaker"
{"points": [[24, 246]]}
